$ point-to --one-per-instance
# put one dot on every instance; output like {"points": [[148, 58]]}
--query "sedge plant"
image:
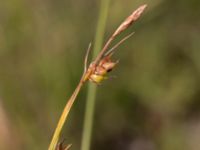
{"points": [[96, 72]]}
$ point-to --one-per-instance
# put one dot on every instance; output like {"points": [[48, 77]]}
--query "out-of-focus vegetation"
{"points": [[154, 103]]}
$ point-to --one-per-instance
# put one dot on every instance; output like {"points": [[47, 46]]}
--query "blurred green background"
{"points": [[152, 104]]}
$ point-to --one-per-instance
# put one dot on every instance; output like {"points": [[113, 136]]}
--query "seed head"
{"points": [[130, 19]]}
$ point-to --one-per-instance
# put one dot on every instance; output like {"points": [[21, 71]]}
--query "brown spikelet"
{"points": [[124, 25], [130, 19]]}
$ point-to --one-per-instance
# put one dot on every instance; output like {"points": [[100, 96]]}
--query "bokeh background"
{"points": [[152, 104]]}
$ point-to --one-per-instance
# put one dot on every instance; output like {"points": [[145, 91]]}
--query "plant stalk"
{"points": [[91, 93], [63, 117]]}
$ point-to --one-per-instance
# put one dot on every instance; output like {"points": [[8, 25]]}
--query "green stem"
{"points": [[91, 94]]}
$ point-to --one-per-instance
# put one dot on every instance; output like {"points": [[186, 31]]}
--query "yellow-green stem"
{"points": [[91, 94], [63, 118]]}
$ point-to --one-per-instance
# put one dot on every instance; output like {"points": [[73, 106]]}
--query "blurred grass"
{"points": [[92, 88], [42, 47]]}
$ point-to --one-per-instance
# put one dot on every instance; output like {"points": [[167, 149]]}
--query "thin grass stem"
{"points": [[91, 93], [63, 118]]}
